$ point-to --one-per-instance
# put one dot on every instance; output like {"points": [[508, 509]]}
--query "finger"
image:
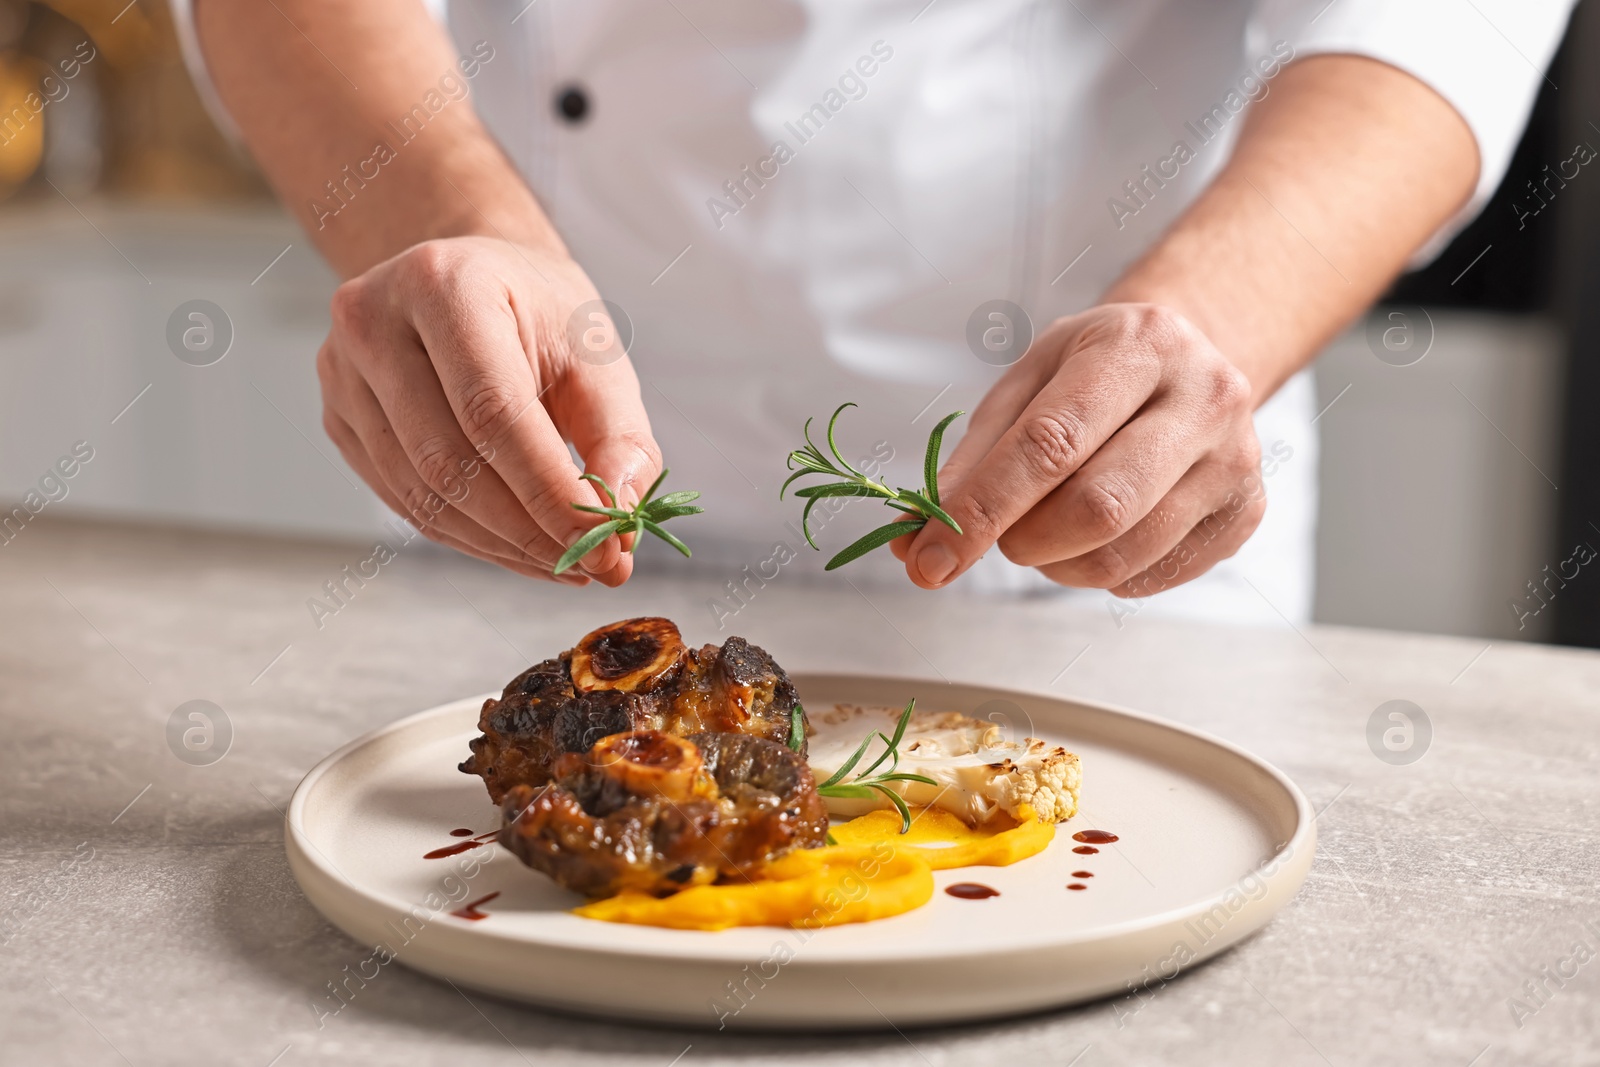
{"points": [[378, 458], [436, 520], [1114, 489], [602, 414], [389, 393], [1000, 407], [1199, 502], [380, 448], [1209, 543], [476, 350], [503, 555], [404, 379], [1086, 401]]}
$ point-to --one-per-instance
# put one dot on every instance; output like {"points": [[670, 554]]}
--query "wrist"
{"points": [[465, 187], [523, 226]]}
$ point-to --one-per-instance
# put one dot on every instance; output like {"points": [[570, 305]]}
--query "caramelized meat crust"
{"points": [[652, 812], [632, 675]]}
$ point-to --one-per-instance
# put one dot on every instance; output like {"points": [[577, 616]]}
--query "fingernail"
{"points": [[590, 564], [936, 563]]}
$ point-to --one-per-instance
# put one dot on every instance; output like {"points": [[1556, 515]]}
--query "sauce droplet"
{"points": [[461, 831], [971, 891], [452, 850], [1086, 850], [1095, 837], [470, 910], [1077, 885], [1083, 874]]}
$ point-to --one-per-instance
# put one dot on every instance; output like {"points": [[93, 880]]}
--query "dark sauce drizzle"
{"points": [[470, 910], [458, 849], [971, 891], [1090, 839]]}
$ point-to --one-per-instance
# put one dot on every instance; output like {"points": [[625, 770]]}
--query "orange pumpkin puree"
{"points": [[872, 873]]}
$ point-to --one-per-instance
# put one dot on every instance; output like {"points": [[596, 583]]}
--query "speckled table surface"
{"points": [[148, 916]]}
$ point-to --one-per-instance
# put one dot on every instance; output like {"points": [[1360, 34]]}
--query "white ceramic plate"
{"points": [[1212, 842]]}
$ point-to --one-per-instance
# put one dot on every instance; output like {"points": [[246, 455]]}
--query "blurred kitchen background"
{"points": [[1456, 487]]}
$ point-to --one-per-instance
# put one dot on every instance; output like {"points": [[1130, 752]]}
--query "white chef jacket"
{"points": [[801, 202]]}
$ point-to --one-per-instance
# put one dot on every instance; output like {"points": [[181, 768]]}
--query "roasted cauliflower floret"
{"points": [[979, 772]]}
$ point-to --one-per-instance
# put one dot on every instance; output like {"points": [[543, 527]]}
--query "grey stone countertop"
{"points": [[148, 915]]}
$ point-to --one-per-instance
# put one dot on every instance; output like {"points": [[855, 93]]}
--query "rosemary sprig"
{"points": [[797, 727], [917, 507], [865, 783], [647, 515]]}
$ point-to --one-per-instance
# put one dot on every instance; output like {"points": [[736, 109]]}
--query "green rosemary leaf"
{"points": [[815, 451], [849, 764], [615, 513], [811, 456], [930, 509], [835, 448], [650, 492], [588, 542], [814, 493], [797, 727], [875, 539], [836, 489], [892, 745], [656, 529], [681, 497], [845, 791], [905, 776], [930, 460], [888, 751], [656, 513], [797, 474], [805, 523], [601, 482], [899, 803]]}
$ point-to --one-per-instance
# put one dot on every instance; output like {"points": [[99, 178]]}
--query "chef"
{"points": [[1115, 234]]}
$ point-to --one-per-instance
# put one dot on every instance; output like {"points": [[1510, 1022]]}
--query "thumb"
{"points": [[936, 555], [606, 422]]}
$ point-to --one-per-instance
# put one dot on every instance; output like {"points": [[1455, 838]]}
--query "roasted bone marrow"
{"points": [[636, 655], [653, 812]]}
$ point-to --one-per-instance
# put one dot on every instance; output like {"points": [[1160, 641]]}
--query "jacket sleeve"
{"points": [[189, 46], [1487, 58], [194, 60]]}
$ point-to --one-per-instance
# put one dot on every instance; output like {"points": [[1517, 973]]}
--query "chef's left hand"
{"points": [[1118, 454]]}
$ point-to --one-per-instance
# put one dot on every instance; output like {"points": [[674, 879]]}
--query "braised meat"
{"points": [[631, 675], [653, 812]]}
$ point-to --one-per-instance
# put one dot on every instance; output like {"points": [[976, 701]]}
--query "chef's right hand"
{"points": [[451, 384]]}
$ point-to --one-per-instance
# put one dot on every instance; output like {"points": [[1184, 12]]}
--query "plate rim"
{"points": [[1300, 847]]}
